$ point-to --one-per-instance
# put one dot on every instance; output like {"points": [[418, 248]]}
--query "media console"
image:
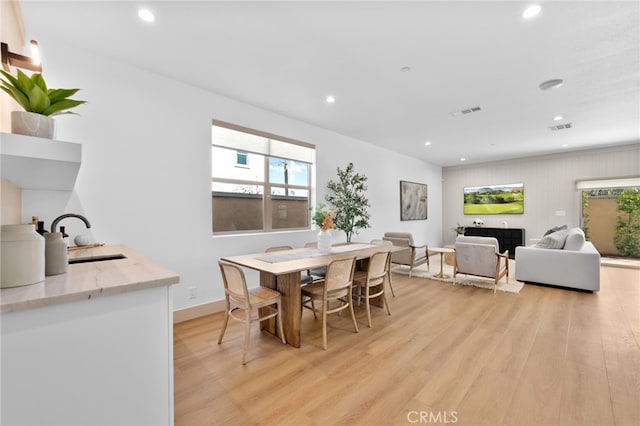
{"points": [[508, 238]]}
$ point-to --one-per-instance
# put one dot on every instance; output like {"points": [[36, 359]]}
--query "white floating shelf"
{"points": [[36, 163]]}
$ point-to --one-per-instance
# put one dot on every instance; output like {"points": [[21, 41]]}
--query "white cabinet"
{"points": [[99, 361], [36, 163], [93, 346]]}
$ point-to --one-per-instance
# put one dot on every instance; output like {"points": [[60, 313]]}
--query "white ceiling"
{"points": [[288, 56]]}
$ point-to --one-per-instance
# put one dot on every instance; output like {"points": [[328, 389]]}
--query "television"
{"points": [[494, 199]]}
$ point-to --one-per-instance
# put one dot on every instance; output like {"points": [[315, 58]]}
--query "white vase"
{"points": [[32, 124], [324, 242]]}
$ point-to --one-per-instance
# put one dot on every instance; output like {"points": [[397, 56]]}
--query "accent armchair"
{"points": [[480, 256], [413, 255]]}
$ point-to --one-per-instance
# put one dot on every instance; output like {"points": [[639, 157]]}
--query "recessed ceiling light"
{"points": [[146, 15], [564, 145], [330, 99], [551, 84], [558, 118], [531, 11], [427, 143], [463, 159], [405, 69]]}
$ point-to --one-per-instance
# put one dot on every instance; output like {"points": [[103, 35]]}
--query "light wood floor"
{"points": [[463, 355]]}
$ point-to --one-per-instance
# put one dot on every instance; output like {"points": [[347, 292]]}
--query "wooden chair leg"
{"points": [[393, 293], [247, 335], [384, 298], [353, 315], [224, 324], [324, 326], [279, 305], [368, 306]]}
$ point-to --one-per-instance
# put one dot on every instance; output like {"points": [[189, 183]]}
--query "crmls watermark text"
{"points": [[422, 417]]}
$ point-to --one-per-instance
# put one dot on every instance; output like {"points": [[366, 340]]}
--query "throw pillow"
{"points": [[553, 241], [556, 229], [575, 239]]}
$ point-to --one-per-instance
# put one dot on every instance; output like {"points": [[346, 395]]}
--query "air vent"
{"points": [[561, 127], [466, 111]]}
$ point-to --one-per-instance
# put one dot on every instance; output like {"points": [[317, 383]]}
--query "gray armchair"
{"points": [[412, 256]]}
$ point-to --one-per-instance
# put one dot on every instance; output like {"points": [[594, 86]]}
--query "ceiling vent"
{"points": [[466, 111], [561, 127]]}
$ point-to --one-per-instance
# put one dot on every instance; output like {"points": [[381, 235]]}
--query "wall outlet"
{"points": [[193, 292]]}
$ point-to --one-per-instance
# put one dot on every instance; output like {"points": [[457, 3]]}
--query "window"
{"points": [[259, 182], [242, 159]]}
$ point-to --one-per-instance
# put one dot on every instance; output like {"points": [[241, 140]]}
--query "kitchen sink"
{"points": [[101, 258]]}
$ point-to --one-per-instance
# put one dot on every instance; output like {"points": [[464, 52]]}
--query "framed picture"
{"points": [[494, 199], [413, 201]]}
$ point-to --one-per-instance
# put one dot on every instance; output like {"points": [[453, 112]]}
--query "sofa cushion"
{"points": [[575, 239], [556, 229], [554, 240]]}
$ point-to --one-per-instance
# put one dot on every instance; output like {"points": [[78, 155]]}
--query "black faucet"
{"points": [[59, 218]]}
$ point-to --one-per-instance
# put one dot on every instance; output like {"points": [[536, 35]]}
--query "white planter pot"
{"points": [[324, 242], [32, 124]]}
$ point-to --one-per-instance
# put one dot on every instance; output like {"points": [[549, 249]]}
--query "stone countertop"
{"points": [[88, 280]]}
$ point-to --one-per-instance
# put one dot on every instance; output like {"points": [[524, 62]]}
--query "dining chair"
{"points": [[239, 297], [305, 278], [372, 284], [336, 287], [318, 273], [386, 243]]}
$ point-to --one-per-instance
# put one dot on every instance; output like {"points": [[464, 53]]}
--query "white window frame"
{"points": [[279, 142]]}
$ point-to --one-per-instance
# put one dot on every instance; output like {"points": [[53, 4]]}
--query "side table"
{"points": [[442, 251]]}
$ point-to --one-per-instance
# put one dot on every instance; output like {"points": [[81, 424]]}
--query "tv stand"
{"points": [[508, 238]]}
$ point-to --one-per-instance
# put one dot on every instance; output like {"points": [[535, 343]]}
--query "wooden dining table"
{"points": [[281, 271]]}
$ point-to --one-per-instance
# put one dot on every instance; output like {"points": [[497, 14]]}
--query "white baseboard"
{"points": [[198, 311]]}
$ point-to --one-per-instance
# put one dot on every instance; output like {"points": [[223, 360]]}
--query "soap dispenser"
{"points": [[56, 259]]}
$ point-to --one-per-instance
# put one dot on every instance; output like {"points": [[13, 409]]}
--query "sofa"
{"points": [[561, 258]]}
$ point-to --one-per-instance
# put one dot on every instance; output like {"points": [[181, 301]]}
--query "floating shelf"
{"points": [[36, 163]]}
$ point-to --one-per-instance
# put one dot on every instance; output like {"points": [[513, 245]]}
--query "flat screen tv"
{"points": [[494, 199]]}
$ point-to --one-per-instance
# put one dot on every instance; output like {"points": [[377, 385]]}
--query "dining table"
{"points": [[281, 271]]}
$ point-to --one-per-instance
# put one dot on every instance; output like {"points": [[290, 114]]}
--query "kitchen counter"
{"points": [[89, 280], [93, 346]]}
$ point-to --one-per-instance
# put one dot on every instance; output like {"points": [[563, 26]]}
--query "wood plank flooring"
{"points": [[463, 355]]}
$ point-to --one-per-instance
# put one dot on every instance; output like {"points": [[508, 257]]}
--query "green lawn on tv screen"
{"points": [[509, 208]]}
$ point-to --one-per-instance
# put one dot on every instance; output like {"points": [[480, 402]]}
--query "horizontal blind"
{"points": [[252, 141], [609, 183]]}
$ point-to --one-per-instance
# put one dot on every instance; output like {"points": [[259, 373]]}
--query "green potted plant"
{"points": [[458, 229], [347, 196], [39, 102]]}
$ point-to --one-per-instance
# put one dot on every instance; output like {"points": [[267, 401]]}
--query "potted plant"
{"points": [[323, 220], [40, 103], [347, 195], [458, 229]]}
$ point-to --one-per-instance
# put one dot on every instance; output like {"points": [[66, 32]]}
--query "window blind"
{"points": [[227, 136]]}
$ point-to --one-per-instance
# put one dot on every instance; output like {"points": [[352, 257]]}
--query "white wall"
{"points": [[145, 174], [549, 186]]}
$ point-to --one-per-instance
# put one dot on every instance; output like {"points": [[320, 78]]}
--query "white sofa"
{"points": [[562, 258]]}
